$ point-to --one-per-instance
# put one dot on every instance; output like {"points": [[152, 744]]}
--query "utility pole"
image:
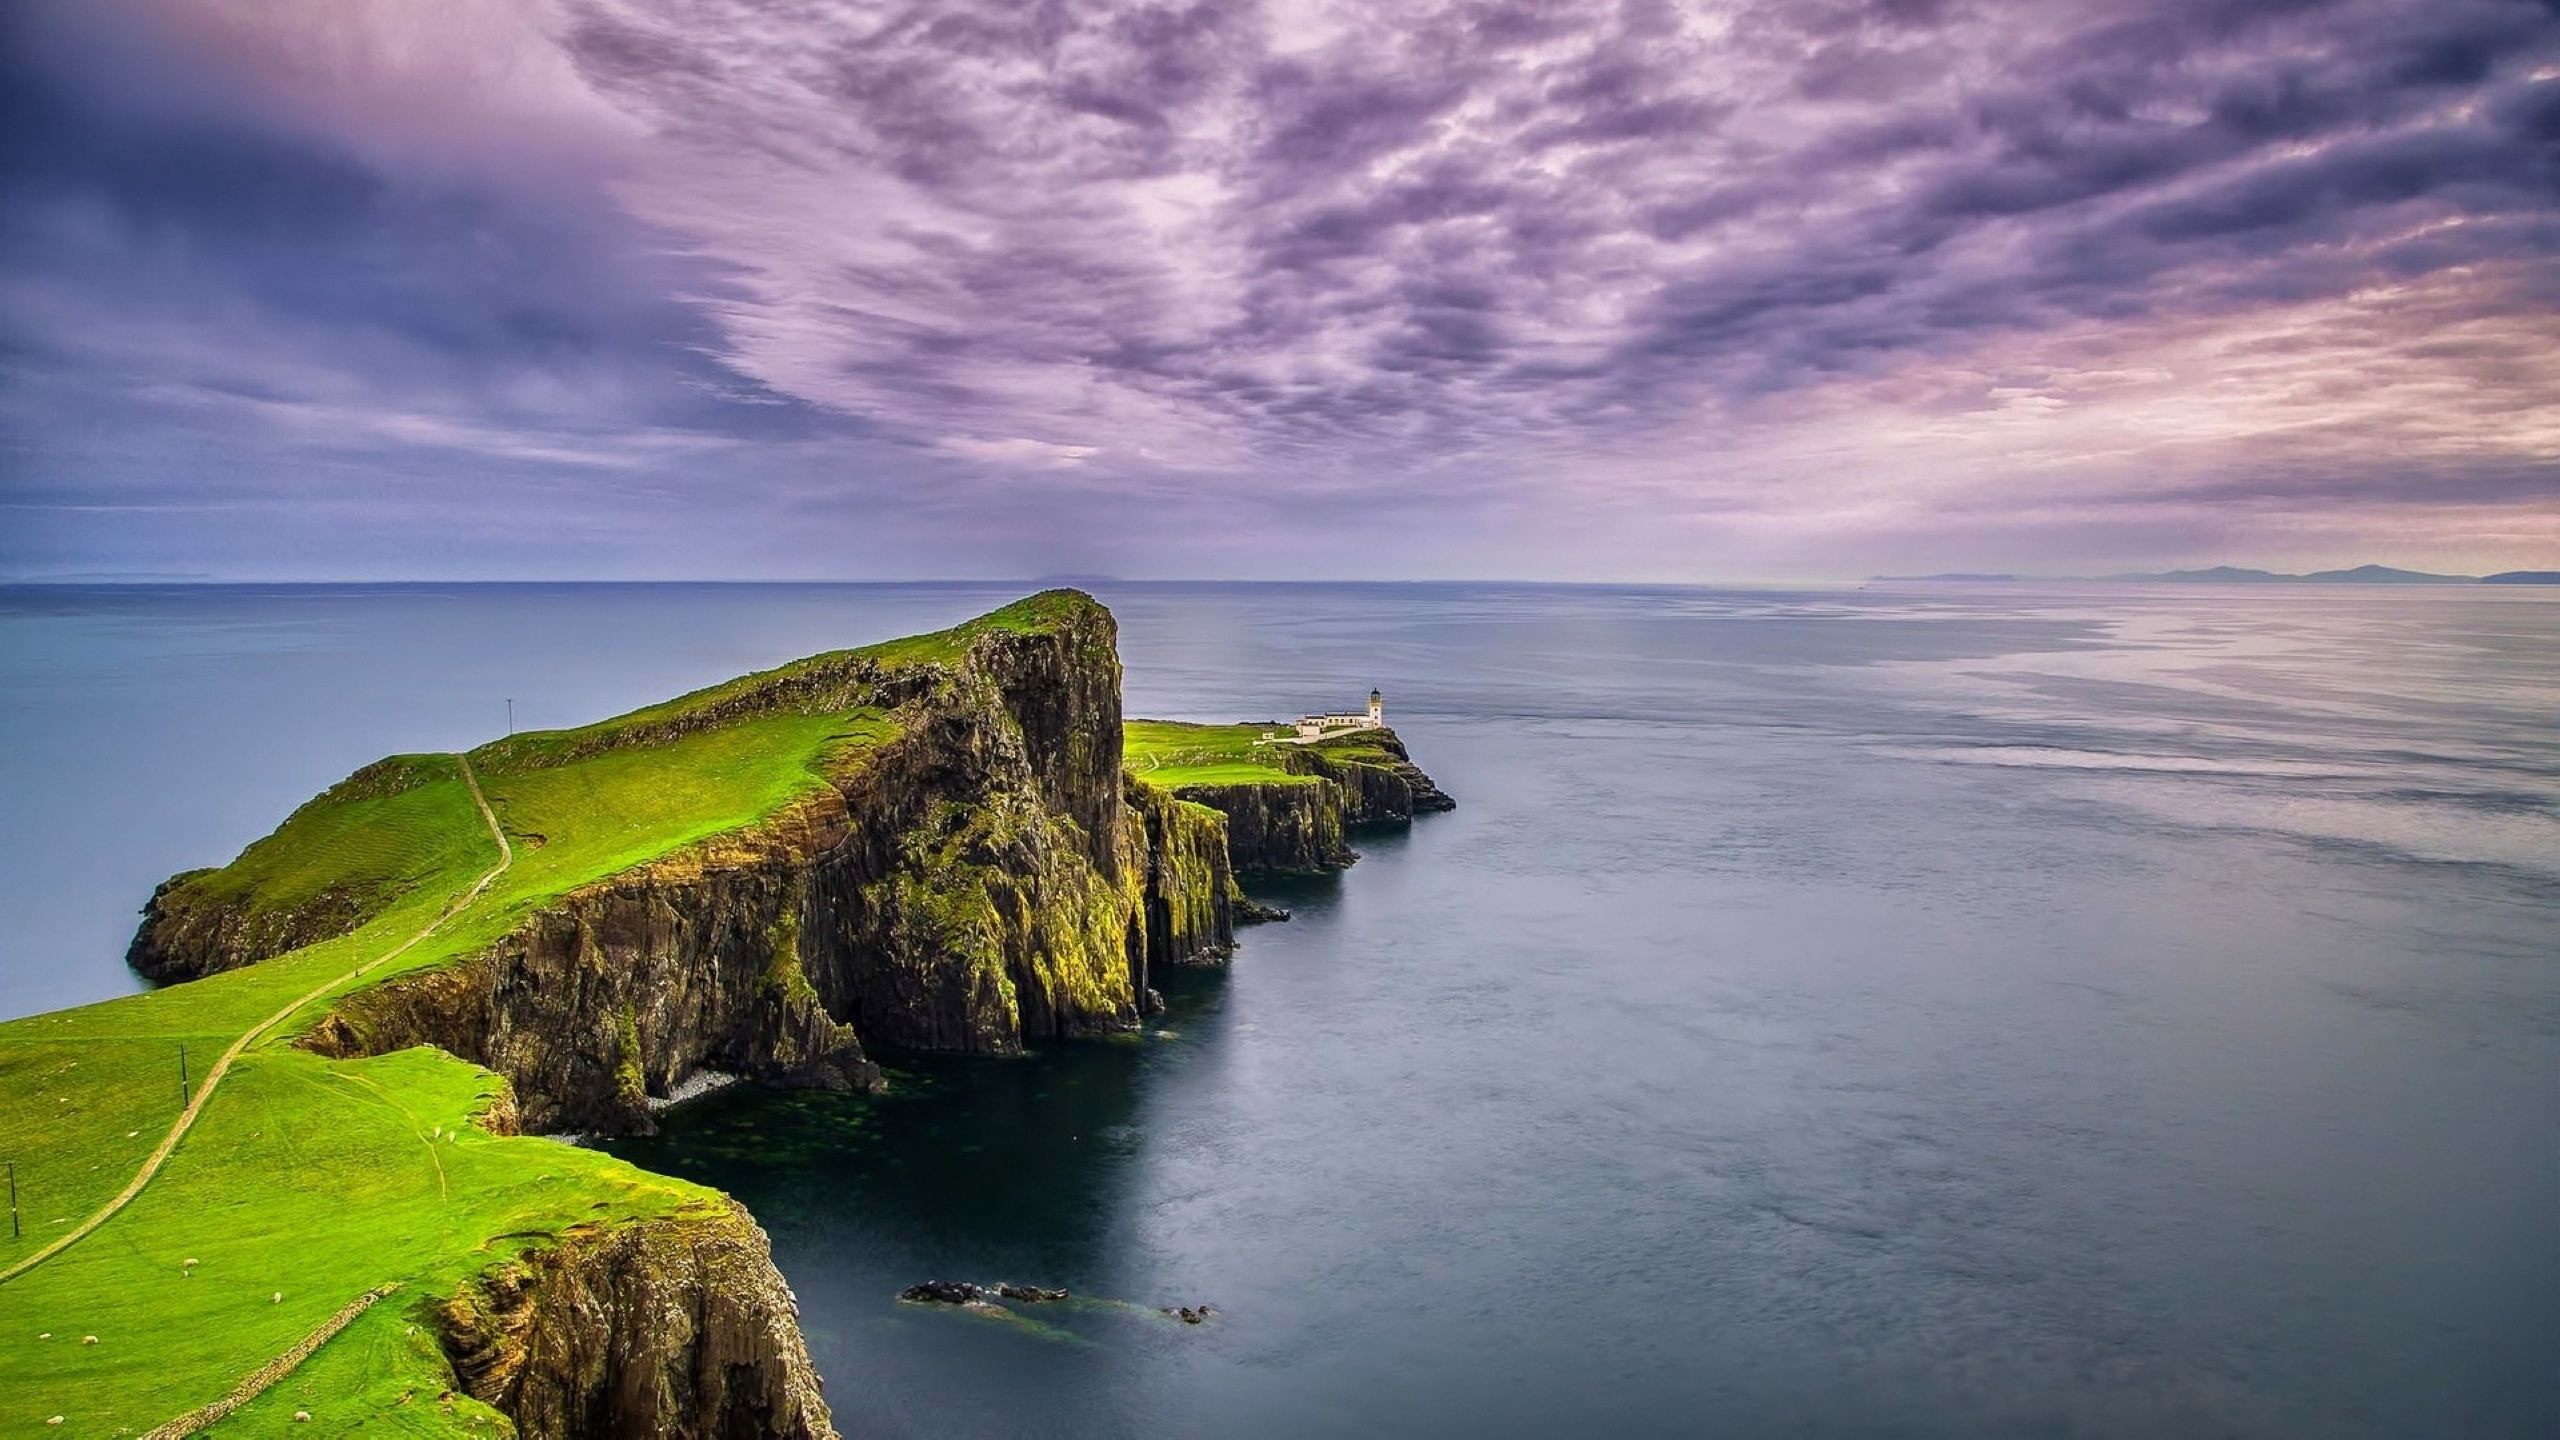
{"points": [[511, 715], [184, 1092], [13, 1199]]}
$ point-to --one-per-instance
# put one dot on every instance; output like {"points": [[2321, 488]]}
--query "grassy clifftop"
{"points": [[309, 1182], [1288, 806], [657, 778], [931, 841], [1171, 755]]}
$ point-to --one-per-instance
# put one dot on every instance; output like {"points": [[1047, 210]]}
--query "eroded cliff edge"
{"points": [[979, 875], [963, 865], [1292, 809], [666, 1327], [967, 867]]}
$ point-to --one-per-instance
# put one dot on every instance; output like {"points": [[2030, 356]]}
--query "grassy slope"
{"points": [[322, 1179], [369, 848], [1170, 754]]}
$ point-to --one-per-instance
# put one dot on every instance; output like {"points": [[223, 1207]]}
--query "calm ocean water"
{"points": [[1942, 1011]]}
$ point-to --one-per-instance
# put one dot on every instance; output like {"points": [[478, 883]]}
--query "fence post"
{"points": [[13, 1199]]}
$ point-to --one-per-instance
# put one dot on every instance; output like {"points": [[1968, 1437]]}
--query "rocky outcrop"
{"points": [[625, 990], [186, 935], [669, 1327], [1192, 903], [1379, 780], [202, 922], [984, 879], [978, 875], [1301, 824], [1285, 826]]}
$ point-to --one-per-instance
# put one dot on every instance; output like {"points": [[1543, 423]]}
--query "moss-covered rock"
{"points": [[979, 876], [674, 1327], [926, 843], [1298, 819]]}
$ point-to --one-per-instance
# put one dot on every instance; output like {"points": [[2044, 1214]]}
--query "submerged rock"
{"points": [[962, 1292], [943, 1292], [1030, 1294]]}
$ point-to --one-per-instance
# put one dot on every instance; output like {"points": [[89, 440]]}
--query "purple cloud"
{"points": [[1592, 286]]}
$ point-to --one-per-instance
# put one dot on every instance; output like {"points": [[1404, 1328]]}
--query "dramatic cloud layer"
{"points": [[1572, 287]]}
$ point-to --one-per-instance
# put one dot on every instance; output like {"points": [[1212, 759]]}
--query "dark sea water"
{"points": [[1945, 1011]]}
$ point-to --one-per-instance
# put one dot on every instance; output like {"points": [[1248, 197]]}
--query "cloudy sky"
{"points": [[1596, 289]]}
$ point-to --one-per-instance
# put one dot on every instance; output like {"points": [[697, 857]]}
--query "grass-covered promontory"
{"points": [[946, 841], [1172, 754], [317, 1180], [308, 1181], [1289, 805]]}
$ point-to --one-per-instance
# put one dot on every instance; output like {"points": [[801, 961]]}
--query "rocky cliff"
{"points": [[1301, 823], [976, 874], [674, 1327], [984, 878], [262, 905]]}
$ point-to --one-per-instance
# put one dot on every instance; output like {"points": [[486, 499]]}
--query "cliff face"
{"points": [[675, 1327], [1301, 827], [626, 988], [1285, 827], [185, 936], [985, 878], [1192, 902], [201, 922], [1378, 777], [976, 873]]}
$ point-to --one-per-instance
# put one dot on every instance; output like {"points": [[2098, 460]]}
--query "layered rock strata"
{"points": [[1302, 825], [676, 1327], [983, 879]]}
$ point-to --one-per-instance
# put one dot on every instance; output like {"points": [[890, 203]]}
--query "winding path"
{"points": [[187, 1117]]}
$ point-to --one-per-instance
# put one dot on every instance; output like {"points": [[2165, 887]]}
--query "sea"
{"points": [[1910, 1010]]}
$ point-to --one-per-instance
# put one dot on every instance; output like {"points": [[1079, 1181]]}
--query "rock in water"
{"points": [[1031, 1294], [943, 1292]]}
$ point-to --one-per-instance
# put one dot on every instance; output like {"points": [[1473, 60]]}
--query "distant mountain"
{"points": [[2361, 575], [2385, 575], [2238, 575], [2218, 575]]}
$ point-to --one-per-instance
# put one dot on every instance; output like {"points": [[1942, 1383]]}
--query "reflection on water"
{"points": [[1960, 1011], [1935, 1015]]}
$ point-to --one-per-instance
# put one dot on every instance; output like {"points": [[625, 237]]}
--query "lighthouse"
{"points": [[1377, 708]]}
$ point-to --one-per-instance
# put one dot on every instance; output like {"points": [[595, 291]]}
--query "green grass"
{"points": [[386, 844], [816, 673], [624, 807], [383, 833], [317, 1180], [1173, 755], [322, 1179]]}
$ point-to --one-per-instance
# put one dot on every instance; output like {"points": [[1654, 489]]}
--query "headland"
{"points": [[949, 842]]}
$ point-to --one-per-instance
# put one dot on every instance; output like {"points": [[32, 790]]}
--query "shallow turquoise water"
{"points": [[1954, 1011]]}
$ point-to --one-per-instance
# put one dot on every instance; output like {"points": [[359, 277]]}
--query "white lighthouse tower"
{"points": [[1377, 708]]}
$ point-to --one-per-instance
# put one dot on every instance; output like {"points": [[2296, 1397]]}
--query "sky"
{"points": [[1553, 289]]}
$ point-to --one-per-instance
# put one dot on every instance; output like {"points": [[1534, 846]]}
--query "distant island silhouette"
{"points": [[2236, 575]]}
